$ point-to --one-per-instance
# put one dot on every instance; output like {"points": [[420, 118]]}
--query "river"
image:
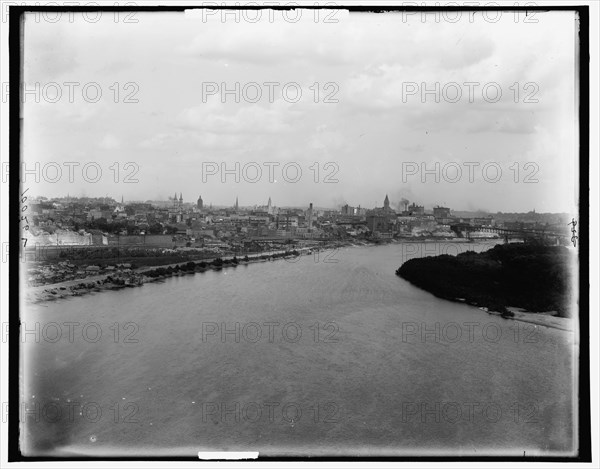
{"points": [[329, 354]]}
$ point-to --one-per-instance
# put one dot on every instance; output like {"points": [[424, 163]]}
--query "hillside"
{"points": [[534, 277]]}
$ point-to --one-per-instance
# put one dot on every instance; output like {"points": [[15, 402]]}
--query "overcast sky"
{"points": [[372, 133]]}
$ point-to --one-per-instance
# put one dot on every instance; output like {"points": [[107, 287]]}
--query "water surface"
{"points": [[351, 360]]}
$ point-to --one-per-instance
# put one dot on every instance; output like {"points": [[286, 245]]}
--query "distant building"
{"points": [[441, 212], [386, 209], [483, 221], [381, 219], [416, 210], [95, 214], [347, 210], [178, 202], [200, 203], [380, 223]]}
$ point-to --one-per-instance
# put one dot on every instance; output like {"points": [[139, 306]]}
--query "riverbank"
{"points": [[137, 276], [531, 277], [546, 319], [130, 278]]}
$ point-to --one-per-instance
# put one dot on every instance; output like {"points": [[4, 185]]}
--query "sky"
{"points": [[359, 129]]}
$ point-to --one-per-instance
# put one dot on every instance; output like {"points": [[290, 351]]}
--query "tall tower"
{"points": [[175, 200], [269, 207], [236, 204], [386, 203], [200, 203], [310, 217]]}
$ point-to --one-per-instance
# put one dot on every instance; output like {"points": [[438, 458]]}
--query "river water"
{"points": [[324, 355]]}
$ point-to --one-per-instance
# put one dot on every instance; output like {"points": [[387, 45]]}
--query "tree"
{"points": [[99, 224], [155, 228]]}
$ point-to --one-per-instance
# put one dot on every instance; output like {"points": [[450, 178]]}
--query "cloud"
{"points": [[247, 119], [188, 141], [369, 132], [109, 142], [326, 140]]}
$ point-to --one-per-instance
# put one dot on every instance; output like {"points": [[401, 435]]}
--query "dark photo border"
{"points": [[583, 418]]}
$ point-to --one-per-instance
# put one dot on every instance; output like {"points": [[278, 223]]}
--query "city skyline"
{"points": [[394, 205]]}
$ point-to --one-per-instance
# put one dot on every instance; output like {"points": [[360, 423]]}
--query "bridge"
{"points": [[464, 230]]}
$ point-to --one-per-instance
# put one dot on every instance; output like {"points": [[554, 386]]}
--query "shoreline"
{"points": [[546, 319], [134, 278], [119, 280], [542, 319], [39, 295]]}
